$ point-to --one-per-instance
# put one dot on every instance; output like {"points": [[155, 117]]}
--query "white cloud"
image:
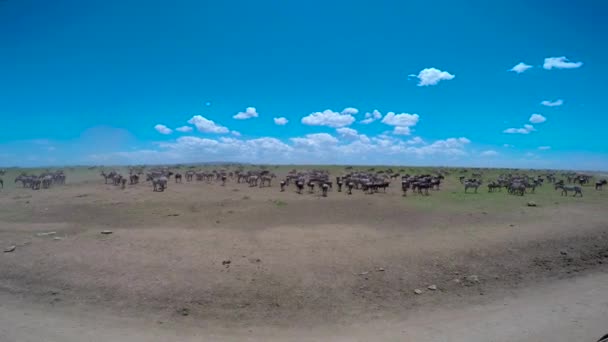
{"points": [[328, 118], [350, 111], [312, 148], [489, 153], [401, 130], [401, 120], [415, 141], [162, 129], [207, 126], [507, 145], [537, 118], [371, 117], [348, 133], [527, 129], [315, 141], [249, 113], [432, 76], [560, 63], [281, 121], [235, 133], [544, 148], [521, 67], [184, 129], [555, 103]]}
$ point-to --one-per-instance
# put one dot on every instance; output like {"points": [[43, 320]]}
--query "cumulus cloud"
{"points": [[249, 113], [311, 148], [401, 120], [235, 133], [281, 121], [415, 141], [555, 103], [489, 153], [432, 76], [521, 67], [560, 63], [527, 129], [401, 130], [544, 148], [184, 129], [315, 141], [162, 129], [348, 133], [537, 118], [371, 117], [205, 125], [350, 110], [328, 118]]}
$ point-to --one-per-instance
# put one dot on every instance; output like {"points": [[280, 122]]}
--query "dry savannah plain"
{"points": [[202, 261]]}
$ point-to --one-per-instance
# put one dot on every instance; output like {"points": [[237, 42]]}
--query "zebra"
{"points": [[517, 189], [492, 186], [46, 181], [300, 185], [350, 186], [123, 183], [565, 188], [600, 184], [472, 184], [160, 183], [324, 188], [405, 185], [282, 184], [134, 179], [311, 187]]}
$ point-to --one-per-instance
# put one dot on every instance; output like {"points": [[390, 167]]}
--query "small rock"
{"points": [[381, 269], [433, 287], [473, 279], [184, 311], [106, 232], [511, 225], [563, 253], [10, 249], [57, 238], [226, 262], [173, 215], [531, 204], [418, 291], [363, 273]]}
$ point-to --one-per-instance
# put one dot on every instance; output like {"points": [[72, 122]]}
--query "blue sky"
{"points": [[89, 82]]}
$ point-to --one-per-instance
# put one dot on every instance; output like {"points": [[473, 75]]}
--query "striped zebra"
{"points": [[565, 188]]}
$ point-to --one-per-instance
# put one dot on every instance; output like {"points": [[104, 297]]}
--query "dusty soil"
{"points": [[207, 256]]}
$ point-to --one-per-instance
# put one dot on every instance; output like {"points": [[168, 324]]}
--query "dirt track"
{"points": [[315, 261]]}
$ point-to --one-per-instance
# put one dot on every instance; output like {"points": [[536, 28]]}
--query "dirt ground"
{"points": [[206, 256]]}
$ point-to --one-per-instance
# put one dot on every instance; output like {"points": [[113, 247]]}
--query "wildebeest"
{"points": [[600, 184], [1, 183], [178, 177], [565, 188]]}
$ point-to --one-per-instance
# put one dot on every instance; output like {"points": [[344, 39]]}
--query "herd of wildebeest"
{"points": [[369, 181]]}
